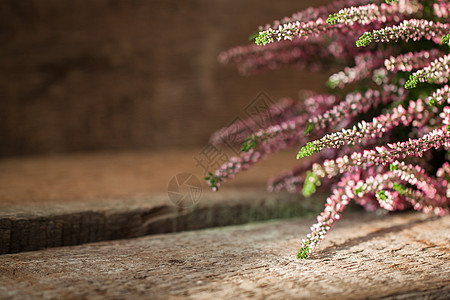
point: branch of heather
(385, 166)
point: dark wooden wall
(88, 75)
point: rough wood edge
(36, 228)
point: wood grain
(399, 256)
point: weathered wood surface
(37, 227)
(75, 199)
(102, 176)
(399, 256)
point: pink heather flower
(380, 185)
(441, 8)
(306, 30)
(335, 205)
(292, 129)
(313, 13)
(366, 63)
(443, 173)
(430, 194)
(439, 96)
(277, 137)
(289, 133)
(270, 140)
(237, 132)
(364, 131)
(366, 178)
(355, 103)
(443, 176)
(434, 192)
(346, 18)
(369, 13)
(255, 59)
(389, 193)
(412, 60)
(383, 155)
(290, 181)
(437, 72)
(315, 54)
(289, 31)
(234, 166)
(413, 29)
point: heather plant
(381, 136)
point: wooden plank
(398, 256)
(99, 177)
(34, 227)
(96, 200)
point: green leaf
(393, 167)
(248, 144)
(382, 195)
(303, 253)
(212, 180)
(446, 39)
(309, 128)
(332, 84)
(263, 38)
(357, 191)
(333, 19)
(308, 150)
(364, 39)
(253, 36)
(310, 184)
(399, 188)
(412, 82)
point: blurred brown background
(89, 75)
